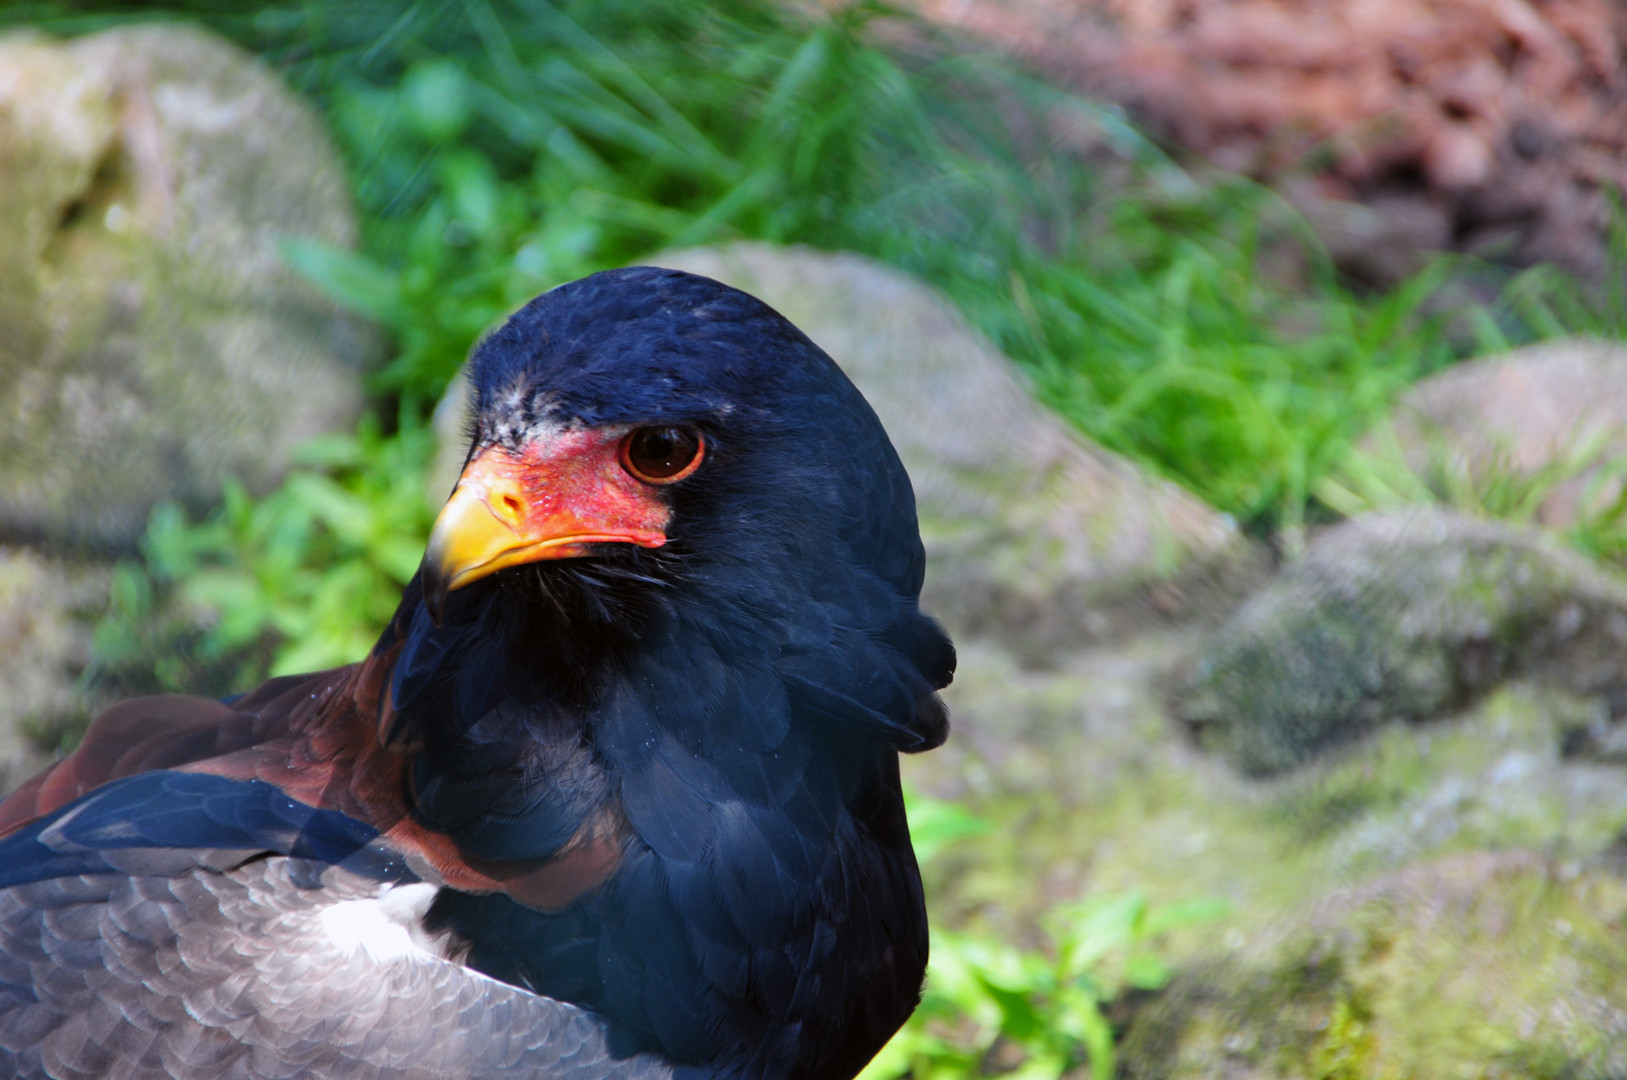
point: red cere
(574, 483)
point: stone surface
(1098, 790)
(1491, 126)
(1032, 533)
(1387, 915)
(1497, 965)
(1108, 791)
(1400, 616)
(46, 606)
(152, 338)
(1553, 415)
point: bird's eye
(662, 455)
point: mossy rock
(1400, 616)
(1096, 792)
(153, 339)
(1374, 905)
(1481, 965)
(1107, 794)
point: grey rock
(1103, 791)
(1379, 924)
(1400, 616)
(1096, 791)
(450, 422)
(46, 606)
(152, 339)
(1600, 735)
(1546, 420)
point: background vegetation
(499, 147)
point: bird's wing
(316, 739)
(248, 973)
(210, 889)
(187, 925)
(176, 731)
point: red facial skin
(323, 738)
(551, 500)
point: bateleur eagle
(615, 795)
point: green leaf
(937, 823)
(1147, 971)
(435, 97)
(352, 279)
(1184, 913)
(470, 184)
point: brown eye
(662, 455)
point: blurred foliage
(499, 147)
(319, 564)
(1028, 1014)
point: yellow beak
(551, 500)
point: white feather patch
(388, 927)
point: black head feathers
(801, 513)
(730, 680)
(792, 435)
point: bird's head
(652, 447)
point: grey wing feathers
(244, 975)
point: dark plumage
(642, 763)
